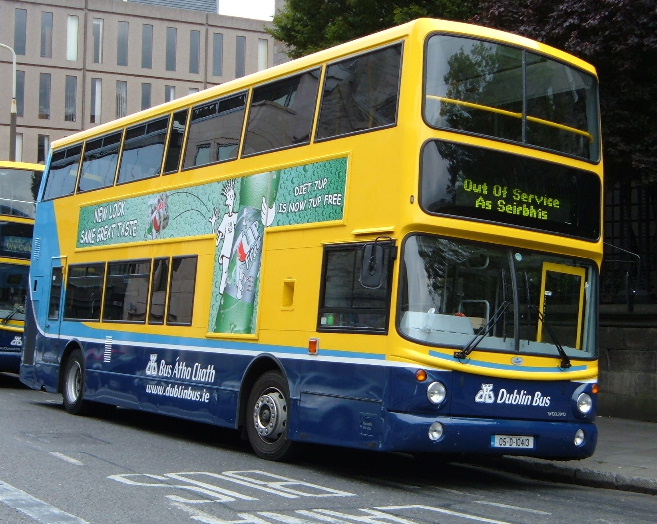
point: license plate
(512, 441)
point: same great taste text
(512, 201)
(118, 229)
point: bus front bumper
(564, 440)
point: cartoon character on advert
(158, 210)
(226, 230)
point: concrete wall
(628, 372)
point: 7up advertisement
(237, 212)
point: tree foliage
(306, 26)
(619, 37)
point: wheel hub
(270, 415)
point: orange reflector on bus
(421, 375)
(595, 389)
(313, 346)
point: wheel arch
(258, 367)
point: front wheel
(267, 417)
(73, 384)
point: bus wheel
(73, 386)
(267, 417)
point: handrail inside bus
(513, 114)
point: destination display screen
(482, 184)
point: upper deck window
(214, 132)
(18, 191)
(143, 150)
(360, 93)
(281, 113)
(505, 92)
(63, 172)
(99, 165)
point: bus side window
(55, 294)
(84, 291)
(143, 150)
(101, 156)
(126, 291)
(181, 290)
(346, 304)
(281, 113)
(360, 93)
(175, 142)
(63, 172)
(217, 122)
(159, 287)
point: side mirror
(371, 272)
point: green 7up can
(257, 197)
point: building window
(98, 40)
(20, 93)
(145, 95)
(46, 34)
(122, 44)
(171, 44)
(193, 90)
(121, 98)
(43, 146)
(240, 56)
(194, 51)
(169, 93)
(147, 46)
(96, 100)
(20, 31)
(263, 54)
(217, 54)
(44, 96)
(71, 98)
(19, 147)
(72, 27)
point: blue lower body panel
(405, 432)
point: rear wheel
(73, 384)
(267, 417)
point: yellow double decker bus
(19, 185)
(393, 244)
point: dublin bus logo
(485, 395)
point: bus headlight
(584, 403)
(436, 431)
(436, 392)
(579, 437)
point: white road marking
(66, 458)
(506, 506)
(35, 508)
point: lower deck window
(134, 291)
(347, 304)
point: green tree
(306, 26)
(619, 37)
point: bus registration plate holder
(512, 441)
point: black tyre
(73, 384)
(267, 417)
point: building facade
(84, 62)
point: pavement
(625, 459)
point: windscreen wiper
(565, 361)
(470, 346)
(17, 309)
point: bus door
(562, 304)
(55, 306)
